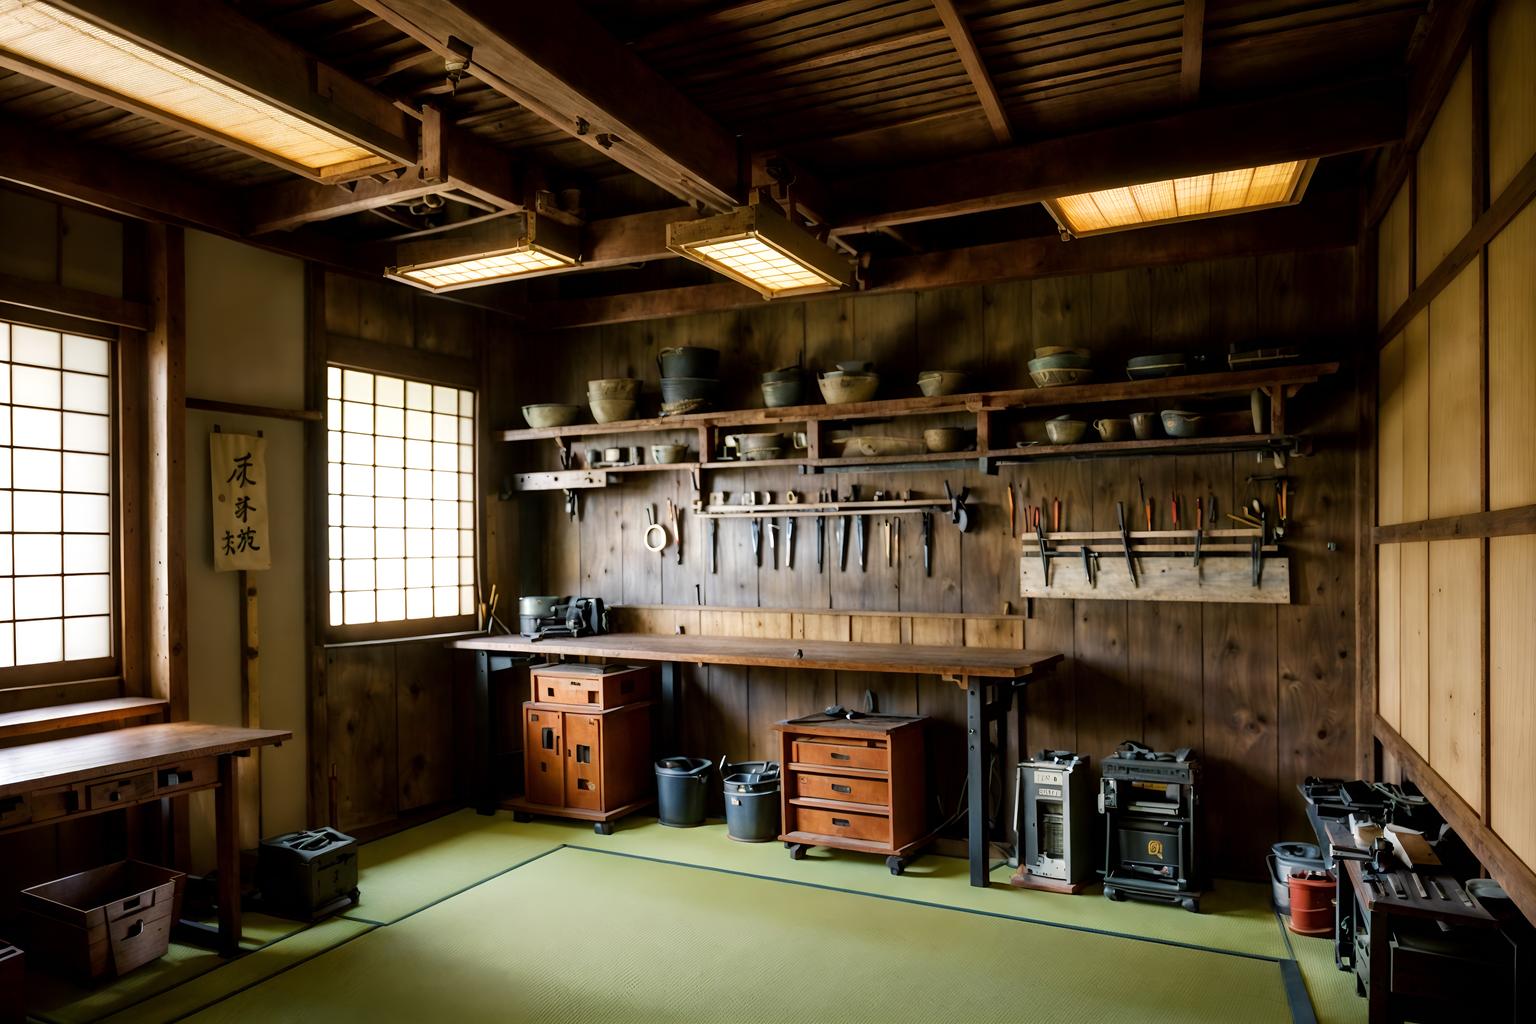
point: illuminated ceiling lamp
(516, 247)
(1175, 199)
(761, 248)
(115, 52)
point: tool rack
(1236, 566)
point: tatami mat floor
(410, 882)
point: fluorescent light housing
(1174, 199)
(515, 247)
(205, 70)
(759, 247)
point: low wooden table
(989, 676)
(52, 781)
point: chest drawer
(15, 810)
(120, 791)
(842, 754)
(843, 824)
(187, 775)
(876, 792)
(55, 803)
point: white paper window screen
(401, 498)
(56, 567)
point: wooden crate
(105, 921)
(598, 687)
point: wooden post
(248, 769)
(226, 806)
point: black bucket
(682, 784)
(752, 806)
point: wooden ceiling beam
(561, 64)
(1193, 52)
(1325, 221)
(1320, 122)
(223, 44)
(981, 80)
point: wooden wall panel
(362, 745)
(1445, 212)
(1456, 665)
(424, 724)
(1512, 691)
(1455, 421)
(1393, 269)
(1416, 418)
(1414, 646)
(1389, 634)
(1389, 432)
(1511, 90)
(1512, 358)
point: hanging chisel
(789, 542)
(714, 544)
(821, 542)
(773, 548)
(1199, 527)
(1045, 558)
(858, 529)
(1125, 539)
(1055, 515)
(897, 528)
(1013, 528)
(757, 541)
(842, 542)
(927, 543)
(677, 536)
(1088, 565)
(1258, 549)
(885, 526)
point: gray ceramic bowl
(1178, 423)
(1065, 431)
(551, 415)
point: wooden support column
(248, 769)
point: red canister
(1311, 903)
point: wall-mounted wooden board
(1512, 358)
(1217, 580)
(1455, 421)
(1416, 418)
(1445, 177)
(1511, 91)
(1456, 665)
(1389, 618)
(1512, 691)
(1389, 432)
(1392, 266)
(1414, 646)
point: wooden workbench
(53, 781)
(989, 677)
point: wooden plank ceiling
(842, 88)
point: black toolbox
(307, 875)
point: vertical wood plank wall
(1456, 654)
(1264, 694)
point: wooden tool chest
(587, 744)
(854, 785)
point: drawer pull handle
(841, 757)
(840, 822)
(839, 788)
(114, 796)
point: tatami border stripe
(1296, 995)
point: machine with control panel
(1053, 812)
(1148, 799)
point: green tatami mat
(409, 870)
(52, 998)
(213, 986)
(580, 936)
(1332, 991)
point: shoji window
(56, 494)
(401, 509)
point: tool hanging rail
(1233, 566)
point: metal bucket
(1286, 859)
(689, 361)
(681, 790)
(752, 806)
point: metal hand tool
(858, 526)
(927, 543)
(1418, 885)
(885, 527)
(1141, 493)
(842, 543)
(714, 544)
(898, 541)
(1088, 565)
(1055, 515)
(821, 536)
(655, 535)
(959, 511)
(1125, 539)
(1013, 527)
(1199, 527)
(1045, 557)
(789, 541)
(677, 537)
(1434, 887)
(773, 547)
(749, 499)
(1173, 504)
(1258, 549)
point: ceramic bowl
(1060, 378)
(783, 373)
(680, 389)
(1046, 351)
(1144, 425)
(1060, 361)
(873, 445)
(856, 366)
(754, 442)
(1113, 430)
(763, 454)
(689, 361)
(611, 410)
(1065, 431)
(666, 454)
(614, 387)
(779, 393)
(551, 415)
(1167, 364)
(1178, 423)
(946, 439)
(939, 382)
(848, 387)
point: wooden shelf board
(1191, 386)
(70, 716)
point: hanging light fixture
(761, 248)
(1174, 199)
(68, 45)
(518, 246)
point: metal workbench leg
(485, 782)
(977, 744)
(671, 706)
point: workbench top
(837, 656)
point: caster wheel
(522, 817)
(1113, 895)
(1190, 904)
(797, 851)
(603, 828)
(896, 864)
(789, 846)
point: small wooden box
(13, 987)
(586, 763)
(597, 687)
(106, 921)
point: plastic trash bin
(682, 784)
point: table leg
(227, 840)
(671, 706)
(1379, 998)
(977, 744)
(485, 801)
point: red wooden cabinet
(585, 764)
